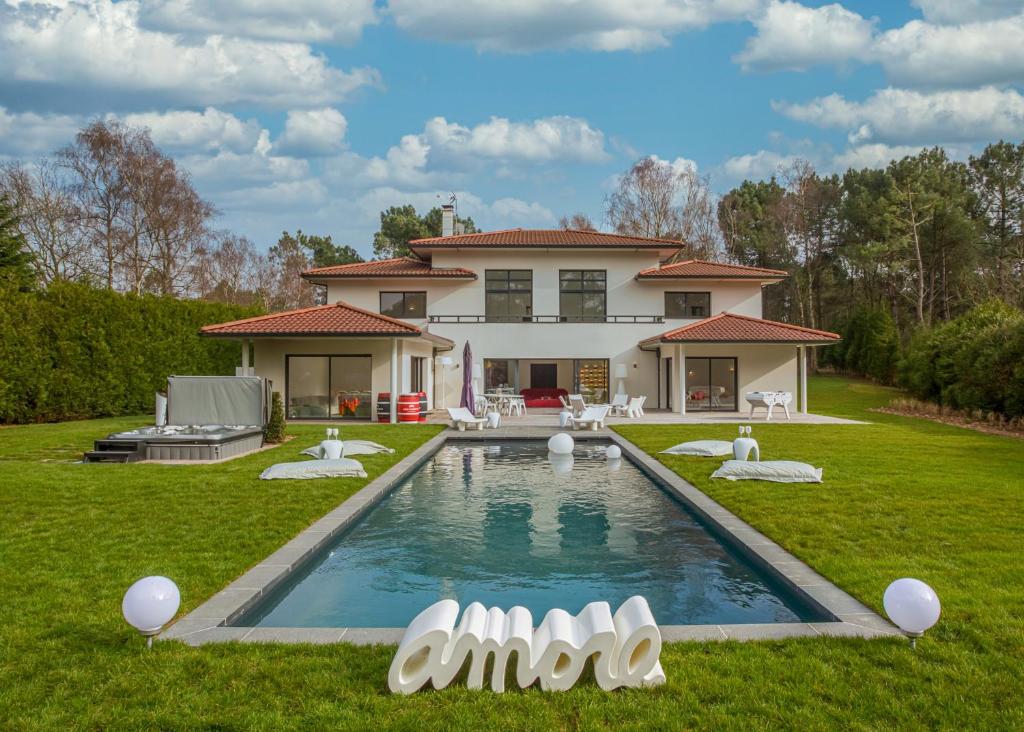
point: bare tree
(287, 261)
(229, 269)
(47, 218)
(664, 201)
(579, 221)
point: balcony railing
(547, 319)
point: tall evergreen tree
(15, 257)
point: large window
(687, 304)
(508, 294)
(711, 384)
(326, 387)
(404, 304)
(581, 294)
(499, 373)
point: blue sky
(315, 115)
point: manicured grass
(901, 497)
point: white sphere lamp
(149, 605)
(913, 606)
(561, 444)
(614, 452)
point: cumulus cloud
(502, 213)
(762, 164)
(903, 117)
(313, 132)
(209, 130)
(540, 140)
(227, 170)
(29, 133)
(499, 25)
(925, 55)
(793, 37)
(966, 11)
(99, 46)
(875, 155)
(311, 21)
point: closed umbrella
(467, 400)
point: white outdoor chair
(619, 404)
(516, 404)
(461, 417)
(577, 404)
(592, 418)
(640, 407)
(635, 407)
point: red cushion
(543, 398)
(542, 403)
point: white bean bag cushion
(701, 448)
(342, 468)
(778, 471)
(352, 447)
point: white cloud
(925, 55)
(312, 21)
(23, 134)
(284, 196)
(966, 11)
(756, 166)
(793, 37)
(601, 25)
(875, 155)
(228, 170)
(97, 45)
(313, 132)
(209, 130)
(502, 213)
(540, 140)
(902, 117)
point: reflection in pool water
(504, 525)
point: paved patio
(549, 418)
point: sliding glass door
(711, 384)
(328, 387)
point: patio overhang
(733, 328)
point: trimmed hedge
(75, 352)
(974, 362)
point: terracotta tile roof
(700, 269)
(542, 239)
(732, 328)
(398, 267)
(338, 319)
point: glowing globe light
(912, 605)
(150, 604)
(561, 444)
(614, 452)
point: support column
(682, 379)
(428, 379)
(802, 354)
(393, 402)
(246, 345)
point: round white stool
(332, 449)
(493, 420)
(743, 447)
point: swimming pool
(503, 525)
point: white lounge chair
(592, 418)
(461, 417)
(635, 408)
(577, 404)
(619, 404)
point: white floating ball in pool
(912, 605)
(561, 444)
(150, 603)
(614, 452)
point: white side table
(743, 447)
(332, 449)
(563, 419)
(493, 420)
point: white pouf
(561, 444)
(614, 452)
(742, 447)
(493, 420)
(563, 419)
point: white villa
(546, 312)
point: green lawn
(901, 497)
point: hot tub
(194, 442)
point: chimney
(447, 220)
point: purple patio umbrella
(467, 379)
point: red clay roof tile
(700, 269)
(542, 239)
(732, 328)
(398, 267)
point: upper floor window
(582, 294)
(687, 304)
(403, 304)
(508, 294)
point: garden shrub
(870, 346)
(74, 352)
(274, 431)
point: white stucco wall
(760, 367)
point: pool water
(504, 525)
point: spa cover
(232, 400)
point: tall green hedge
(975, 361)
(870, 346)
(73, 352)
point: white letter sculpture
(625, 647)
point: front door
(544, 375)
(711, 384)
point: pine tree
(15, 258)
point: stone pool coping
(211, 621)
